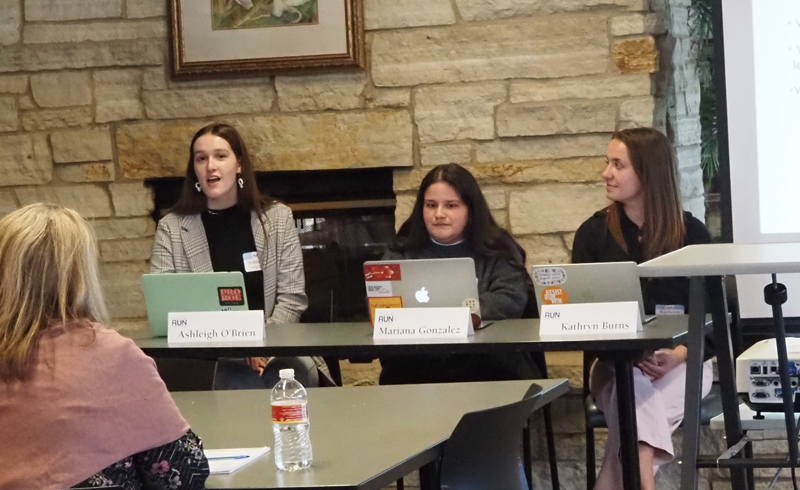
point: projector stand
(775, 296)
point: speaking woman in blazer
(222, 223)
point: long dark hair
(654, 163)
(482, 232)
(247, 197)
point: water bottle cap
(286, 373)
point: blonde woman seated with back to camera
(80, 405)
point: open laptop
(199, 291)
(424, 283)
(603, 282)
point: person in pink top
(80, 405)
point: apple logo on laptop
(422, 296)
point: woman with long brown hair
(223, 223)
(644, 220)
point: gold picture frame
(219, 38)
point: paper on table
(223, 461)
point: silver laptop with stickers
(603, 282)
(424, 283)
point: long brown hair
(654, 163)
(49, 275)
(247, 197)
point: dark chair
(484, 450)
(710, 407)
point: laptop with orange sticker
(602, 282)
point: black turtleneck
(230, 236)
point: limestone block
(545, 148)
(60, 10)
(10, 22)
(136, 9)
(9, 114)
(591, 87)
(136, 249)
(569, 240)
(571, 474)
(93, 31)
(204, 102)
(536, 119)
(688, 156)
(389, 14)
(86, 172)
(7, 203)
(131, 52)
(553, 208)
(402, 211)
(638, 112)
(460, 153)
(632, 24)
(636, 55)
(26, 102)
(131, 199)
(536, 47)
(387, 97)
(686, 131)
(25, 160)
(540, 171)
(133, 328)
(544, 249)
(154, 78)
(115, 229)
(452, 112)
(338, 91)
(408, 179)
(89, 200)
(56, 118)
(277, 142)
(494, 9)
(692, 182)
(13, 84)
(127, 301)
(81, 145)
(495, 198)
(117, 95)
(62, 89)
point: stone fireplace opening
(343, 218)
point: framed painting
(212, 38)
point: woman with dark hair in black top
(644, 220)
(450, 219)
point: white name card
(215, 326)
(600, 319)
(422, 323)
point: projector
(757, 379)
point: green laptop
(199, 291)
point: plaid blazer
(181, 246)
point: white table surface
(771, 420)
(719, 259)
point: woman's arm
(161, 259)
(290, 297)
(179, 464)
(503, 291)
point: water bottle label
(290, 414)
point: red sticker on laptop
(231, 296)
(382, 272)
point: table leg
(429, 476)
(626, 406)
(694, 383)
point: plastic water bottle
(290, 423)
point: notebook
(423, 283)
(225, 461)
(602, 282)
(200, 291)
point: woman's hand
(662, 361)
(257, 364)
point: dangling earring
(241, 183)
(197, 186)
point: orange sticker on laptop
(388, 302)
(382, 272)
(554, 295)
